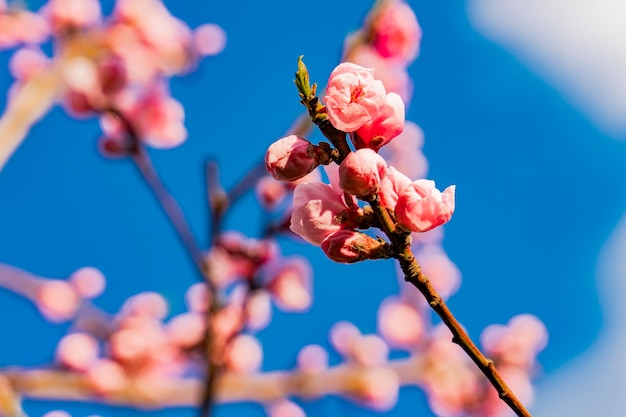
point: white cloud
(577, 46)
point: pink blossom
(77, 351)
(89, 282)
(69, 14)
(197, 297)
(27, 62)
(270, 192)
(57, 413)
(392, 73)
(285, 408)
(343, 335)
(291, 158)
(159, 119)
(400, 323)
(149, 304)
(209, 39)
(168, 39)
(390, 186)
(57, 300)
(361, 171)
(422, 207)
(518, 343)
(353, 97)
(244, 354)
(106, 376)
(348, 246)
(451, 381)
(290, 284)
(369, 350)
(388, 125)
(396, 32)
(186, 330)
(312, 358)
(128, 345)
(318, 212)
(258, 310)
(378, 388)
(22, 26)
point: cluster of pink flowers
(116, 66)
(143, 346)
(328, 215)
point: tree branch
(414, 275)
(231, 387)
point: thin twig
(413, 274)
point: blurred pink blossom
(57, 300)
(89, 282)
(21, 26)
(77, 351)
(285, 408)
(312, 358)
(396, 32)
(209, 39)
(378, 388)
(65, 15)
(186, 330)
(106, 376)
(28, 61)
(400, 323)
(289, 283)
(270, 192)
(244, 354)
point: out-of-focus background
(523, 106)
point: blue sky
(539, 188)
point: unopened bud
(291, 158)
(360, 172)
(348, 246)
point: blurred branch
(345, 379)
(30, 101)
(10, 404)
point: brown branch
(413, 274)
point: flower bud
(353, 97)
(388, 125)
(360, 172)
(318, 212)
(390, 186)
(291, 158)
(348, 246)
(422, 207)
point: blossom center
(356, 93)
